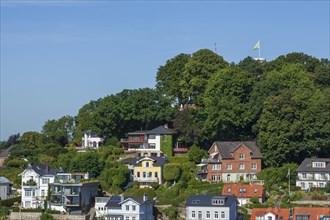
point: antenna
(215, 47)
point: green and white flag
(257, 46)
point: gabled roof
(43, 170)
(138, 160)
(284, 213)
(307, 165)
(251, 190)
(226, 148)
(206, 200)
(312, 212)
(4, 180)
(117, 201)
(161, 130)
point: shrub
(10, 202)
(254, 200)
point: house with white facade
(124, 208)
(67, 190)
(203, 207)
(91, 140)
(313, 172)
(5, 188)
(270, 214)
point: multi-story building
(311, 213)
(91, 140)
(203, 207)
(233, 161)
(152, 142)
(244, 192)
(124, 208)
(270, 214)
(5, 188)
(66, 189)
(146, 170)
(313, 172)
(73, 191)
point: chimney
(145, 197)
(121, 198)
(166, 125)
(47, 168)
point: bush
(254, 200)
(10, 202)
(4, 211)
(46, 216)
(171, 212)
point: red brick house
(244, 192)
(233, 161)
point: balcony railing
(30, 183)
(210, 160)
(146, 179)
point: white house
(35, 180)
(313, 172)
(124, 208)
(91, 140)
(5, 188)
(203, 207)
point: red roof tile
(238, 190)
(284, 213)
(313, 212)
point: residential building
(73, 191)
(202, 207)
(67, 190)
(270, 214)
(233, 161)
(5, 188)
(146, 170)
(150, 142)
(311, 213)
(91, 140)
(244, 192)
(124, 208)
(313, 172)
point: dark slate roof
(206, 200)
(226, 148)
(307, 165)
(161, 130)
(43, 170)
(115, 201)
(138, 132)
(137, 160)
(4, 180)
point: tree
(32, 140)
(171, 172)
(198, 70)
(227, 107)
(169, 76)
(86, 162)
(195, 154)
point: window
(229, 190)
(229, 167)
(199, 215)
(241, 156)
(127, 207)
(254, 166)
(28, 193)
(156, 174)
(150, 174)
(302, 217)
(193, 214)
(45, 180)
(43, 193)
(319, 164)
(223, 215)
(269, 218)
(208, 214)
(228, 177)
(152, 136)
(146, 164)
(255, 190)
(138, 174)
(216, 214)
(215, 178)
(304, 175)
(133, 218)
(152, 146)
(127, 218)
(144, 174)
(215, 166)
(218, 202)
(241, 166)
(133, 207)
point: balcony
(146, 179)
(30, 183)
(200, 171)
(181, 150)
(210, 160)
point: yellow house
(146, 170)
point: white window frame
(241, 166)
(241, 156)
(229, 166)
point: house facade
(150, 142)
(91, 140)
(5, 188)
(313, 173)
(244, 192)
(124, 208)
(66, 189)
(204, 207)
(233, 161)
(311, 213)
(270, 214)
(146, 170)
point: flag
(257, 46)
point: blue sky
(56, 56)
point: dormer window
(229, 190)
(241, 156)
(218, 201)
(255, 190)
(147, 164)
(319, 164)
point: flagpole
(259, 48)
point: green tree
(198, 70)
(195, 154)
(171, 172)
(86, 162)
(169, 76)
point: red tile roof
(238, 190)
(284, 213)
(313, 212)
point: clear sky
(56, 56)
